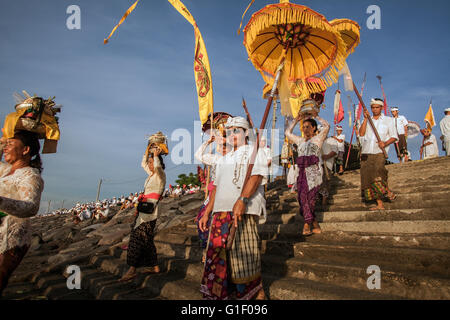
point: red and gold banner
(202, 69)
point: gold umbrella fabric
(311, 45)
(350, 33)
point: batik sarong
(308, 184)
(374, 177)
(141, 248)
(237, 273)
(203, 235)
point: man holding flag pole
(374, 176)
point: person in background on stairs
(329, 153)
(292, 177)
(308, 161)
(21, 187)
(340, 139)
(236, 273)
(429, 148)
(141, 248)
(374, 176)
(445, 130)
(401, 126)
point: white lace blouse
(20, 197)
(312, 147)
(155, 183)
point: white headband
(394, 109)
(376, 102)
(238, 122)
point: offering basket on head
(36, 115)
(158, 140)
(309, 107)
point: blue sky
(143, 81)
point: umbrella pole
(232, 234)
(370, 119)
(210, 151)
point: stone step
(431, 262)
(286, 288)
(354, 190)
(407, 181)
(184, 251)
(22, 291)
(397, 204)
(438, 241)
(431, 174)
(440, 213)
(355, 204)
(399, 284)
(397, 227)
(355, 196)
(172, 287)
(428, 173)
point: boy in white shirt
(429, 148)
(400, 124)
(340, 138)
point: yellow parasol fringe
(130, 9)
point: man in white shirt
(401, 126)
(374, 176)
(445, 129)
(263, 146)
(340, 138)
(292, 177)
(234, 203)
(429, 148)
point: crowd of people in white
(101, 209)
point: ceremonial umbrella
(349, 31)
(301, 38)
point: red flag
(340, 114)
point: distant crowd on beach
(100, 210)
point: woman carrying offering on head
(141, 248)
(310, 171)
(21, 187)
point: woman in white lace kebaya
(141, 248)
(310, 171)
(21, 186)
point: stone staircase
(410, 243)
